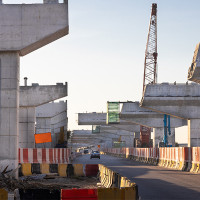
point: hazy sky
(102, 58)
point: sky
(102, 58)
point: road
(155, 183)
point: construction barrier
(62, 170)
(3, 194)
(180, 158)
(116, 186)
(39, 194)
(195, 154)
(69, 170)
(26, 169)
(99, 194)
(81, 194)
(44, 155)
(91, 169)
(78, 170)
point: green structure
(113, 110)
(117, 144)
(95, 129)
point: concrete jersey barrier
(180, 158)
(44, 155)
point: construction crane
(150, 62)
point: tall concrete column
(171, 138)
(137, 135)
(194, 133)
(158, 134)
(9, 101)
(24, 29)
(26, 127)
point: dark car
(95, 154)
(86, 151)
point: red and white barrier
(44, 155)
(182, 158)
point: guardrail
(180, 158)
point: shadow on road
(155, 183)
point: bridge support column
(158, 134)
(9, 101)
(26, 127)
(137, 135)
(171, 138)
(194, 133)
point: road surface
(155, 183)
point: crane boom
(150, 62)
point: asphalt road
(155, 183)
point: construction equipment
(150, 62)
(167, 129)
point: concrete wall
(50, 118)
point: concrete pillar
(20, 36)
(9, 101)
(158, 134)
(44, 126)
(171, 138)
(194, 133)
(137, 135)
(26, 127)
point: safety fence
(180, 158)
(113, 185)
(44, 155)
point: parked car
(95, 154)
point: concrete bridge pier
(9, 101)
(24, 29)
(181, 101)
(157, 136)
(30, 98)
(171, 138)
(137, 135)
(27, 118)
(194, 133)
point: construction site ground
(48, 181)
